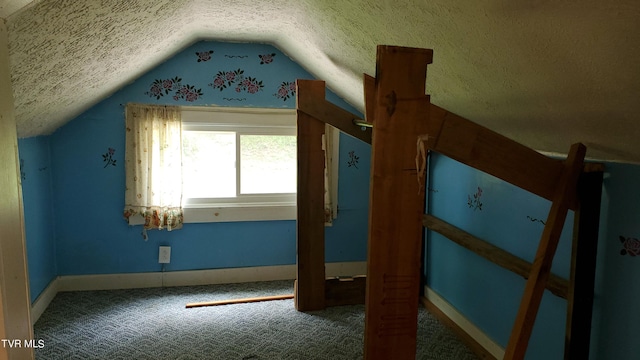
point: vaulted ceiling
(545, 73)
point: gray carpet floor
(153, 323)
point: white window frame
(245, 121)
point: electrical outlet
(164, 256)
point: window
(239, 164)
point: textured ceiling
(545, 73)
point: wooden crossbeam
(565, 191)
(396, 204)
(490, 152)
(369, 83)
(557, 285)
(315, 105)
(309, 287)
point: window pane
(267, 164)
(209, 164)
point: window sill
(239, 212)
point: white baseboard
(473, 331)
(43, 300)
(181, 278)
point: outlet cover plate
(164, 256)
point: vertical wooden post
(310, 277)
(583, 267)
(565, 193)
(396, 204)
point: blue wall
(509, 217)
(617, 311)
(35, 171)
(91, 236)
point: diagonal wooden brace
(565, 193)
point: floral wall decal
(532, 219)
(162, 87)
(188, 93)
(108, 159)
(630, 246)
(204, 55)
(353, 159)
(286, 90)
(224, 79)
(475, 203)
(266, 58)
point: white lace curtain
(153, 166)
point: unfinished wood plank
(345, 291)
(369, 98)
(565, 190)
(583, 266)
(557, 285)
(309, 290)
(317, 107)
(239, 301)
(396, 204)
(490, 152)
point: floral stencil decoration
(353, 159)
(224, 79)
(108, 159)
(286, 90)
(162, 87)
(631, 246)
(250, 85)
(475, 203)
(188, 92)
(204, 55)
(266, 58)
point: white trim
(180, 278)
(194, 117)
(473, 331)
(44, 299)
(217, 213)
(109, 281)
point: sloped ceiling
(545, 73)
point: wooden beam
(557, 285)
(309, 289)
(239, 301)
(583, 267)
(564, 192)
(490, 152)
(345, 291)
(369, 98)
(396, 204)
(317, 107)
